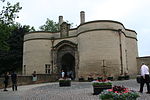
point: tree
(2, 0)
(12, 59)
(50, 26)
(11, 38)
(15, 43)
(7, 18)
(4, 34)
(9, 13)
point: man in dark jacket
(14, 81)
(6, 81)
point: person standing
(62, 74)
(14, 81)
(34, 76)
(6, 81)
(144, 78)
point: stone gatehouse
(97, 48)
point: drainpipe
(52, 53)
(120, 44)
(126, 61)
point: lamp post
(52, 49)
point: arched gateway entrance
(66, 58)
(68, 65)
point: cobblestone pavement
(52, 91)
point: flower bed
(81, 80)
(90, 79)
(119, 93)
(127, 77)
(64, 82)
(110, 78)
(120, 77)
(99, 78)
(99, 86)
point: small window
(47, 68)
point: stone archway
(66, 57)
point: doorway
(68, 65)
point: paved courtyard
(52, 91)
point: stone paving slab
(52, 91)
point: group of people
(13, 79)
(68, 74)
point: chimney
(82, 17)
(68, 26)
(60, 20)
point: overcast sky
(133, 14)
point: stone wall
(96, 46)
(35, 55)
(25, 80)
(132, 54)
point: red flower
(119, 89)
(110, 90)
